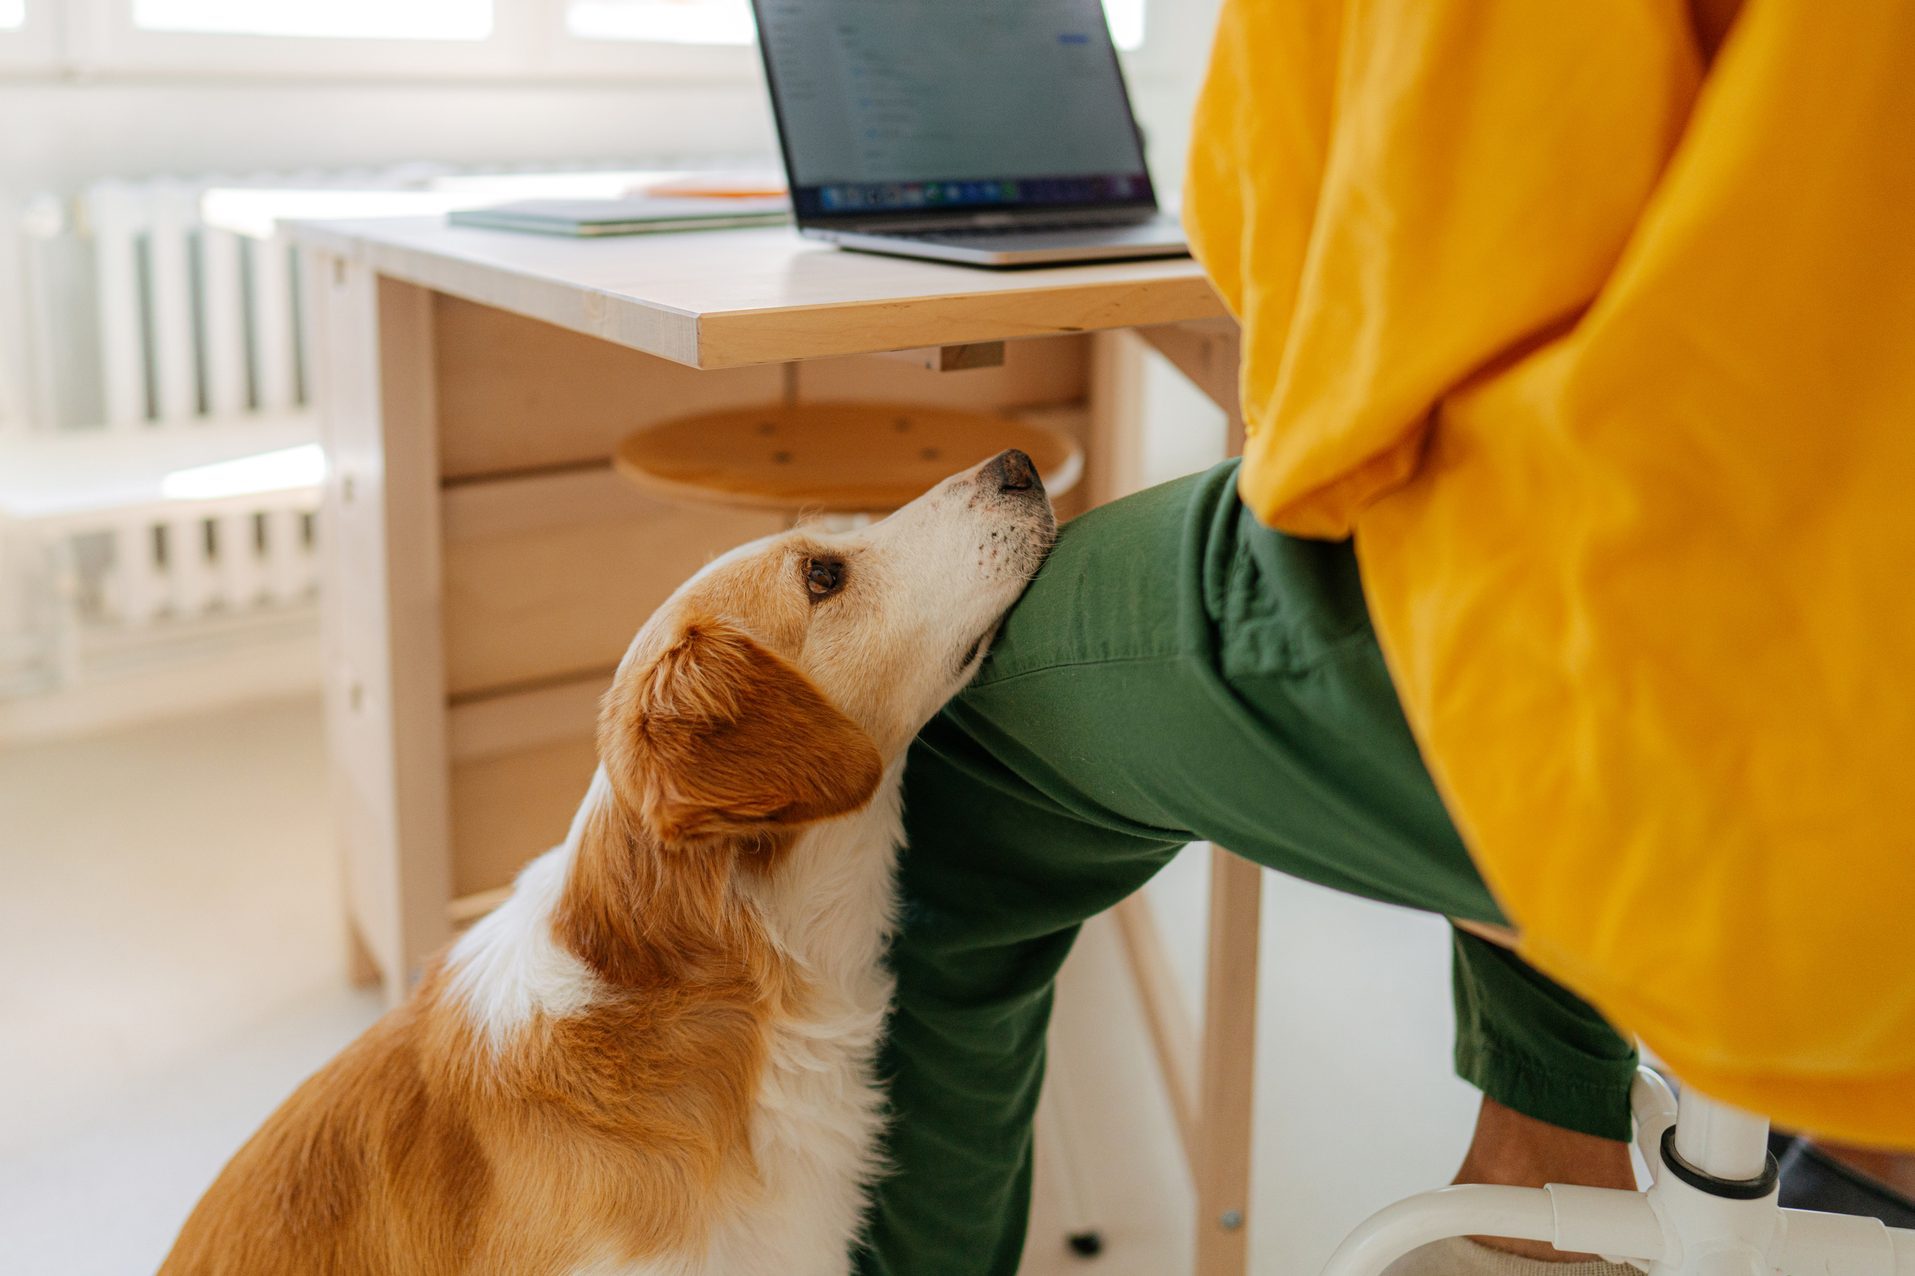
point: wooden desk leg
(1208, 353)
(1212, 1084)
(1227, 1068)
(384, 659)
(362, 968)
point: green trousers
(1176, 673)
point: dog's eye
(823, 577)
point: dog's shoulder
(371, 1145)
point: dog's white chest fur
(820, 1109)
(816, 1123)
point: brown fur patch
(618, 1133)
(719, 736)
(374, 1164)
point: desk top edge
(719, 299)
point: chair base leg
(1712, 1211)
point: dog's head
(774, 687)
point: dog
(657, 1055)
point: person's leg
(997, 879)
(1168, 678)
(1554, 1078)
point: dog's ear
(719, 735)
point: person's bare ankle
(1513, 1150)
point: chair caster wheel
(1087, 1244)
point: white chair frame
(1712, 1209)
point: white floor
(170, 937)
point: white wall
(59, 132)
(57, 135)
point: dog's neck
(828, 900)
(822, 894)
(601, 911)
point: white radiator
(170, 514)
(195, 322)
(174, 516)
(198, 328)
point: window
(26, 36)
(336, 19)
(668, 21)
(657, 41)
(1126, 22)
(729, 21)
(410, 39)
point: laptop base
(1005, 247)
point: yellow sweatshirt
(1600, 339)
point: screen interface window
(919, 104)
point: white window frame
(35, 45)
(529, 42)
(641, 61)
(667, 61)
(104, 41)
(1170, 49)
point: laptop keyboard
(960, 234)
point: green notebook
(633, 216)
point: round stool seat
(847, 458)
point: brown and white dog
(657, 1056)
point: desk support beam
(1207, 352)
(384, 666)
(961, 358)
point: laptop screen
(900, 107)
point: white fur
(815, 1132)
(509, 968)
(819, 1113)
(820, 1109)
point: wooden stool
(832, 458)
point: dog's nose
(1012, 471)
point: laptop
(985, 132)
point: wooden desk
(485, 569)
